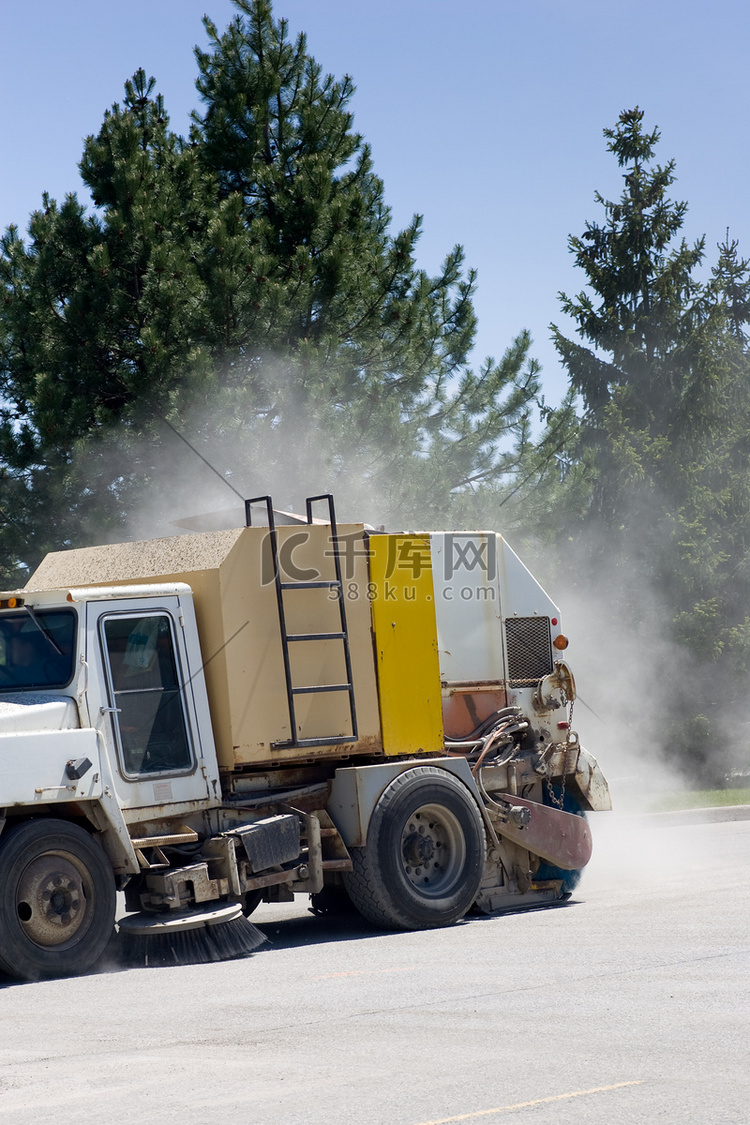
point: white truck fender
(61, 767)
(115, 837)
(355, 791)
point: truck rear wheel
(57, 900)
(425, 853)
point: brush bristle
(222, 941)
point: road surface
(630, 1004)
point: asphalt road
(630, 1004)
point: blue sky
(485, 116)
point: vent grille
(529, 648)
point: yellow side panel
(403, 618)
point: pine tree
(244, 287)
(640, 320)
(663, 375)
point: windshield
(37, 649)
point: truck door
(146, 699)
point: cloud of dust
(262, 433)
(621, 712)
(627, 669)
(639, 690)
(294, 446)
(631, 677)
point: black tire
(253, 899)
(57, 900)
(397, 882)
(332, 902)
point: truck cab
(120, 671)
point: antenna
(214, 470)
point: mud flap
(559, 837)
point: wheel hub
(418, 849)
(432, 850)
(50, 900)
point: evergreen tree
(664, 379)
(244, 287)
(101, 312)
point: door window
(145, 690)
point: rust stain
(465, 709)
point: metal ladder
(296, 638)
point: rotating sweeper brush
(194, 938)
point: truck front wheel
(425, 853)
(57, 900)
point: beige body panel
(236, 609)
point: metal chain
(559, 801)
(551, 793)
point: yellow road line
(364, 972)
(536, 1101)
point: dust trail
(635, 680)
(157, 478)
(622, 711)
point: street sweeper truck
(220, 718)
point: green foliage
(642, 320)
(694, 744)
(664, 376)
(244, 285)
(701, 799)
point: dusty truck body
(220, 718)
